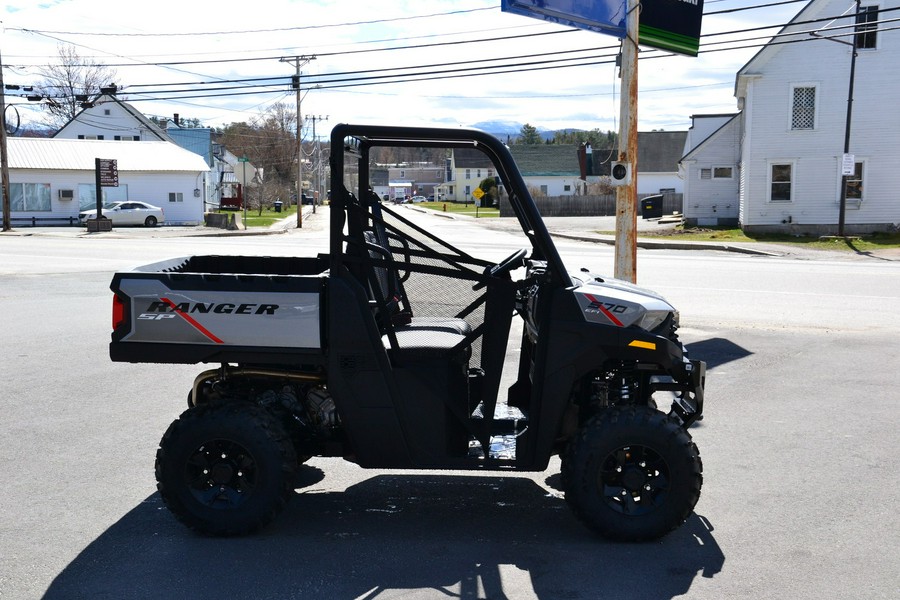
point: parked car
(417, 199)
(127, 213)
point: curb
(666, 245)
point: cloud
(356, 40)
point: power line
(416, 74)
(247, 31)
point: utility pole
(4, 157)
(318, 154)
(853, 52)
(626, 195)
(298, 61)
(843, 203)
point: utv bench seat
(419, 343)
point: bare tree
(69, 83)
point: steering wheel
(511, 262)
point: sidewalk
(289, 223)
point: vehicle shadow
(717, 351)
(419, 536)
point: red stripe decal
(599, 306)
(193, 322)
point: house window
(855, 183)
(478, 173)
(87, 195)
(567, 188)
(722, 173)
(867, 27)
(544, 190)
(176, 197)
(468, 173)
(803, 112)
(29, 197)
(780, 182)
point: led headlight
(653, 319)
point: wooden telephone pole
(626, 195)
(299, 61)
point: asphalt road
(799, 501)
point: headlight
(653, 319)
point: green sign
(672, 25)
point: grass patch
(461, 209)
(268, 217)
(866, 243)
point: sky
(197, 58)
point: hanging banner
(672, 25)
(601, 16)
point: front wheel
(225, 469)
(632, 474)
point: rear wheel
(632, 474)
(150, 221)
(225, 469)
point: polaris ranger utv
(389, 351)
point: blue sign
(601, 16)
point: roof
(546, 159)
(658, 152)
(137, 115)
(79, 155)
(770, 49)
(467, 158)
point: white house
(53, 179)
(709, 169)
(794, 99)
(109, 118)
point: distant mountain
(499, 128)
(503, 129)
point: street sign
(108, 171)
(672, 25)
(601, 16)
(478, 193)
(848, 165)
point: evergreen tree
(529, 135)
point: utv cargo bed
(220, 309)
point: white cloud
(672, 88)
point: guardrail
(34, 220)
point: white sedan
(127, 213)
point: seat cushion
(422, 343)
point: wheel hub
(221, 474)
(634, 480)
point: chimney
(176, 119)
